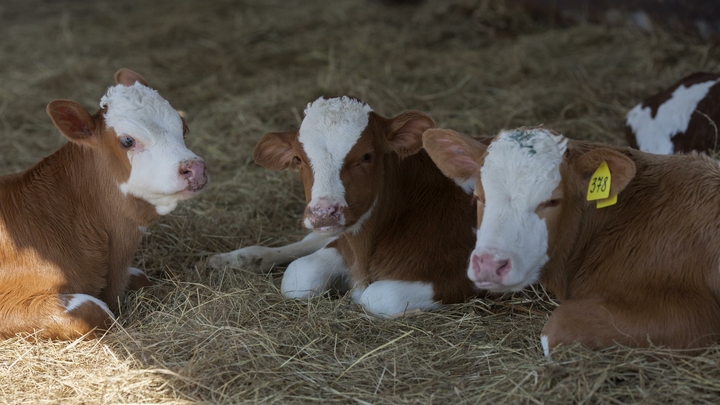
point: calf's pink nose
(324, 214)
(489, 267)
(194, 171)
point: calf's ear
(405, 132)
(458, 156)
(622, 169)
(127, 77)
(274, 150)
(72, 120)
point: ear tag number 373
(599, 187)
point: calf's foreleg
(314, 274)
(261, 259)
(678, 320)
(386, 298)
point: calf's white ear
(622, 169)
(127, 77)
(274, 150)
(405, 132)
(458, 156)
(72, 120)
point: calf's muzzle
(490, 268)
(324, 216)
(195, 173)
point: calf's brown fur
(415, 231)
(67, 229)
(646, 270)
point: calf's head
(530, 190)
(140, 137)
(339, 151)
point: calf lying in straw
(385, 220)
(627, 240)
(70, 225)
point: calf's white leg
(262, 258)
(392, 297)
(313, 274)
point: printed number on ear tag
(599, 187)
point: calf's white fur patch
(391, 297)
(521, 170)
(655, 135)
(79, 299)
(141, 113)
(312, 275)
(134, 271)
(545, 345)
(331, 128)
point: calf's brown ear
(458, 156)
(405, 132)
(72, 120)
(274, 150)
(622, 169)
(127, 77)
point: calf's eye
(551, 203)
(366, 157)
(296, 160)
(127, 142)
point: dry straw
(240, 69)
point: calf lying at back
(384, 218)
(642, 270)
(70, 225)
(682, 118)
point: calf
(682, 118)
(70, 225)
(384, 219)
(643, 270)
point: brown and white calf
(385, 220)
(646, 269)
(69, 225)
(682, 118)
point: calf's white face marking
(655, 135)
(520, 171)
(141, 113)
(330, 129)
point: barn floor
(243, 68)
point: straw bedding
(240, 69)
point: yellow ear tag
(607, 202)
(599, 187)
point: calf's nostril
(193, 170)
(186, 171)
(503, 267)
